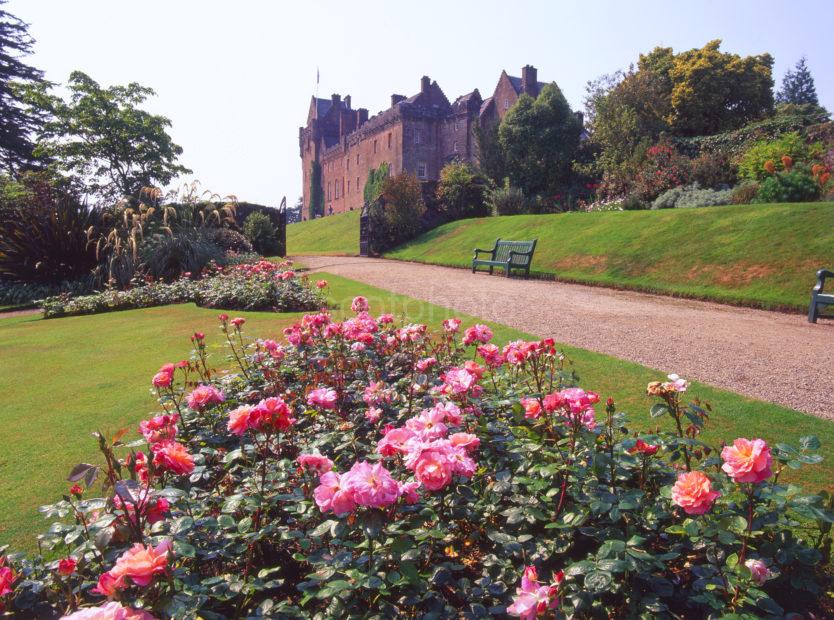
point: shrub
(47, 243)
(690, 196)
(633, 203)
(25, 293)
(507, 201)
(797, 185)
(228, 240)
(365, 469)
(261, 285)
(753, 164)
(396, 216)
(744, 193)
(462, 191)
(713, 170)
(664, 168)
(259, 231)
(167, 257)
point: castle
(418, 134)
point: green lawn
(64, 378)
(334, 235)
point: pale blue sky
(235, 77)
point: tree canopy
(17, 121)
(538, 139)
(104, 137)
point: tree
(17, 120)
(538, 138)
(259, 231)
(316, 192)
(714, 91)
(398, 215)
(490, 157)
(798, 86)
(463, 191)
(102, 136)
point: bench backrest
(503, 249)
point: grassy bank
(67, 377)
(336, 235)
(761, 255)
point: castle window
(348, 187)
(357, 159)
(455, 146)
(456, 127)
(375, 146)
(347, 160)
(357, 184)
(418, 136)
(389, 140)
(506, 104)
(422, 170)
(328, 189)
(336, 191)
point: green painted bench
(507, 254)
(820, 299)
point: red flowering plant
(663, 169)
(369, 468)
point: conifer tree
(17, 121)
(798, 86)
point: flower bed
(260, 285)
(368, 468)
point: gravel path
(766, 355)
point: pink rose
(330, 495)
(747, 461)
(693, 492)
(428, 424)
(162, 379)
(371, 485)
(204, 395)
(394, 441)
(373, 414)
(172, 456)
(450, 326)
(315, 462)
(271, 414)
(532, 598)
(238, 322)
(359, 304)
(433, 469)
(532, 408)
(159, 428)
(141, 563)
(467, 441)
(239, 419)
(759, 570)
(109, 611)
(66, 566)
(323, 397)
(477, 333)
(493, 357)
(385, 319)
(321, 284)
(425, 364)
(7, 577)
(408, 491)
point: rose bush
(365, 468)
(253, 285)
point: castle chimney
(361, 117)
(347, 101)
(529, 80)
(395, 99)
(336, 98)
(580, 116)
(425, 83)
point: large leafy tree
(539, 138)
(798, 86)
(714, 91)
(17, 121)
(104, 137)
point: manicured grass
(337, 235)
(761, 255)
(64, 378)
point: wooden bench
(820, 299)
(506, 254)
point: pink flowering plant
(365, 467)
(252, 285)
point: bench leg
(490, 270)
(813, 313)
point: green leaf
(809, 442)
(244, 525)
(597, 581)
(322, 529)
(658, 410)
(184, 549)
